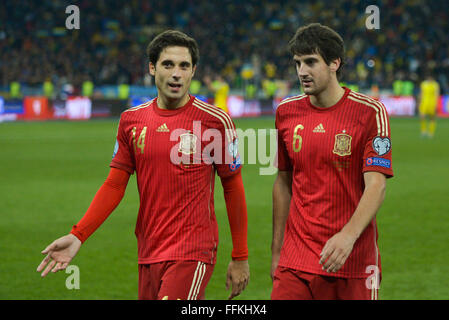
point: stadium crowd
(233, 36)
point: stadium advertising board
(239, 107)
(78, 108)
(399, 106)
(36, 108)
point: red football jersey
(328, 150)
(175, 162)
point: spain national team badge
(187, 145)
(342, 145)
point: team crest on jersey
(381, 145)
(187, 145)
(342, 145)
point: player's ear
(193, 71)
(335, 64)
(152, 69)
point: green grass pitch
(50, 171)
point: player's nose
(303, 71)
(176, 73)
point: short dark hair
(172, 38)
(316, 38)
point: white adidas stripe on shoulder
(220, 115)
(141, 106)
(216, 110)
(294, 98)
(381, 112)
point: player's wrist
(75, 236)
(238, 259)
(352, 232)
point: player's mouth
(176, 87)
(306, 82)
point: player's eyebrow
(168, 62)
(310, 60)
(185, 64)
(307, 60)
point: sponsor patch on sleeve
(381, 145)
(380, 162)
(235, 164)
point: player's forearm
(234, 195)
(105, 201)
(370, 202)
(282, 194)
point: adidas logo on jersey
(319, 128)
(163, 128)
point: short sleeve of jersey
(378, 148)
(231, 162)
(123, 158)
(282, 160)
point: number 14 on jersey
(140, 141)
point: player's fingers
(48, 268)
(339, 263)
(326, 256)
(235, 292)
(43, 263)
(52, 246)
(241, 285)
(244, 283)
(326, 252)
(324, 249)
(57, 267)
(228, 281)
(332, 259)
(64, 265)
(236, 289)
(333, 267)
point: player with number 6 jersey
(328, 151)
(334, 155)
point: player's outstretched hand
(59, 254)
(237, 277)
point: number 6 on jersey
(297, 139)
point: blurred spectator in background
(34, 43)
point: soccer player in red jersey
(175, 143)
(334, 155)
